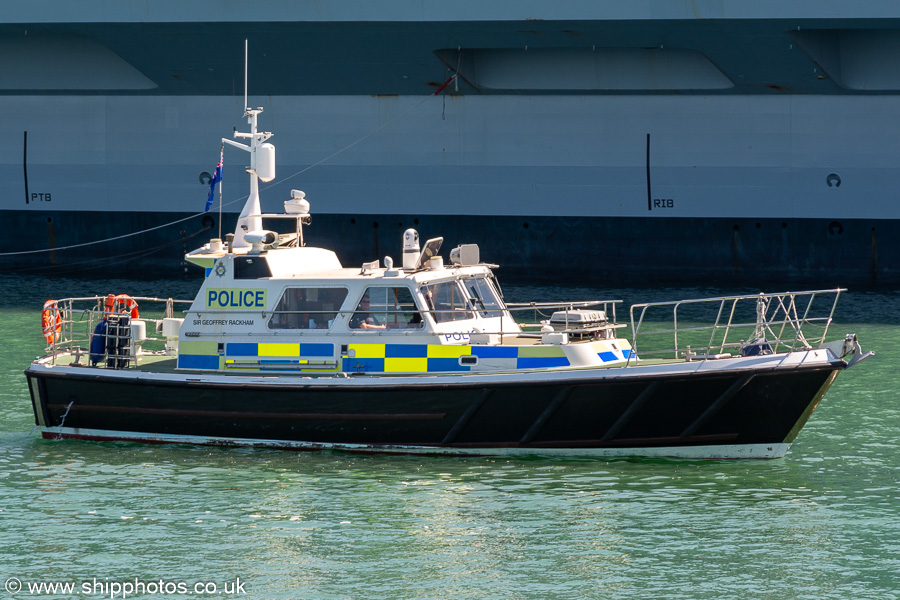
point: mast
(262, 166)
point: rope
(241, 199)
(112, 239)
(97, 263)
(65, 414)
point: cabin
(280, 306)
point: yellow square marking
(279, 349)
(368, 350)
(405, 365)
(436, 351)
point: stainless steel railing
(716, 327)
(70, 327)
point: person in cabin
(362, 319)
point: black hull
(665, 413)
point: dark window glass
(384, 307)
(307, 308)
(447, 302)
(484, 297)
(251, 267)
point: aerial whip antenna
(246, 106)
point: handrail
(773, 311)
(539, 307)
(79, 316)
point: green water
(824, 522)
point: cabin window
(251, 267)
(484, 297)
(383, 307)
(447, 302)
(307, 308)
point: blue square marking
(307, 349)
(495, 352)
(405, 350)
(241, 349)
(541, 362)
(363, 365)
(446, 364)
(198, 361)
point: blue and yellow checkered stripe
(275, 356)
(379, 358)
(205, 355)
(434, 358)
(279, 349)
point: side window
(386, 308)
(307, 308)
(446, 302)
(483, 297)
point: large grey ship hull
(747, 143)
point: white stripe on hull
(704, 452)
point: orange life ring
(51, 322)
(123, 303)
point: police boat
(285, 347)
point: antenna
(246, 106)
(262, 166)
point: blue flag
(217, 177)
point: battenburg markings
(225, 298)
(436, 358)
